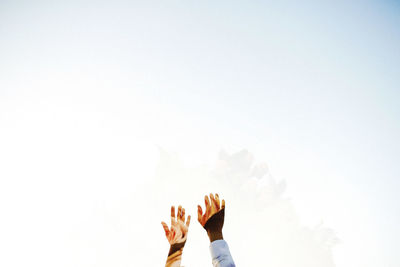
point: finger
(208, 206)
(179, 215)
(183, 214)
(217, 201)
(213, 206)
(166, 229)
(199, 214)
(223, 204)
(172, 214)
(188, 221)
(207, 202)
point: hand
(213, 219)
(177, 234)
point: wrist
(176, 247)
(215, 235)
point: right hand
(213, 218)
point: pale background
(90, 91)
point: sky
(92, 92)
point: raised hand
(179, 229)
(177, 233)
(213, 218)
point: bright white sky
(88, 89)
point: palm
(177, 233)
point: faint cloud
(261, 221)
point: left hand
(177, 234)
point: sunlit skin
(212, 205)
(176, 236)
(177, 233)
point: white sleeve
(221, 257)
